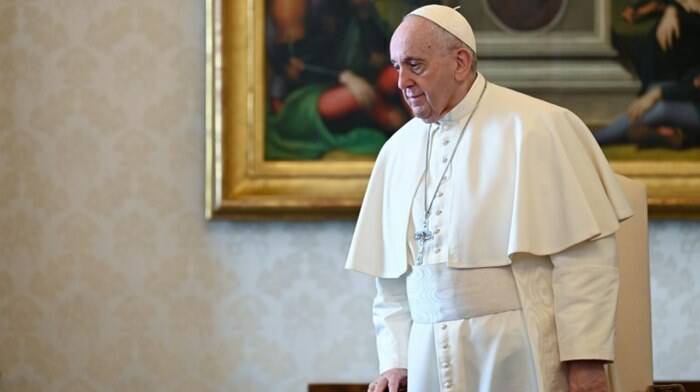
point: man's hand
(587, 376)
(392, 380)
(668, 29)
(642, 104)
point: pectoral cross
(422, 237)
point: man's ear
(464, 60)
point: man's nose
(404, 81)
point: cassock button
(441, 194)
(445, 365)
(444, 326)
(444, 159)
(438, 212)
(437, 231)
(445, 142)
(447, 385)
(437, 250)
(445, 346)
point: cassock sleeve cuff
(585, 285)
(392, 323)
(392, 363)
(583, 355)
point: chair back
(632, 370)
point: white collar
(465, 106)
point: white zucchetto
(449, 19)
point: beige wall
(110, 280)
(675, 289)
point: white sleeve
(585, 283)
(392, 323)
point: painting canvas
(301, 93)
(331, 88)
(658, 41)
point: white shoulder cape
(536, 182)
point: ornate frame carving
(241, 184)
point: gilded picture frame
(242, 184)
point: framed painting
(300, 96)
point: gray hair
(452, 43)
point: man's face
(426, 69)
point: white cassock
(521, 273)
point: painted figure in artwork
(667, 60)
(331, 87)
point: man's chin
(428, 120)
(422, 115)
(425, 117)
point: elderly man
(488, 224)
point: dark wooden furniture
(666, 386)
